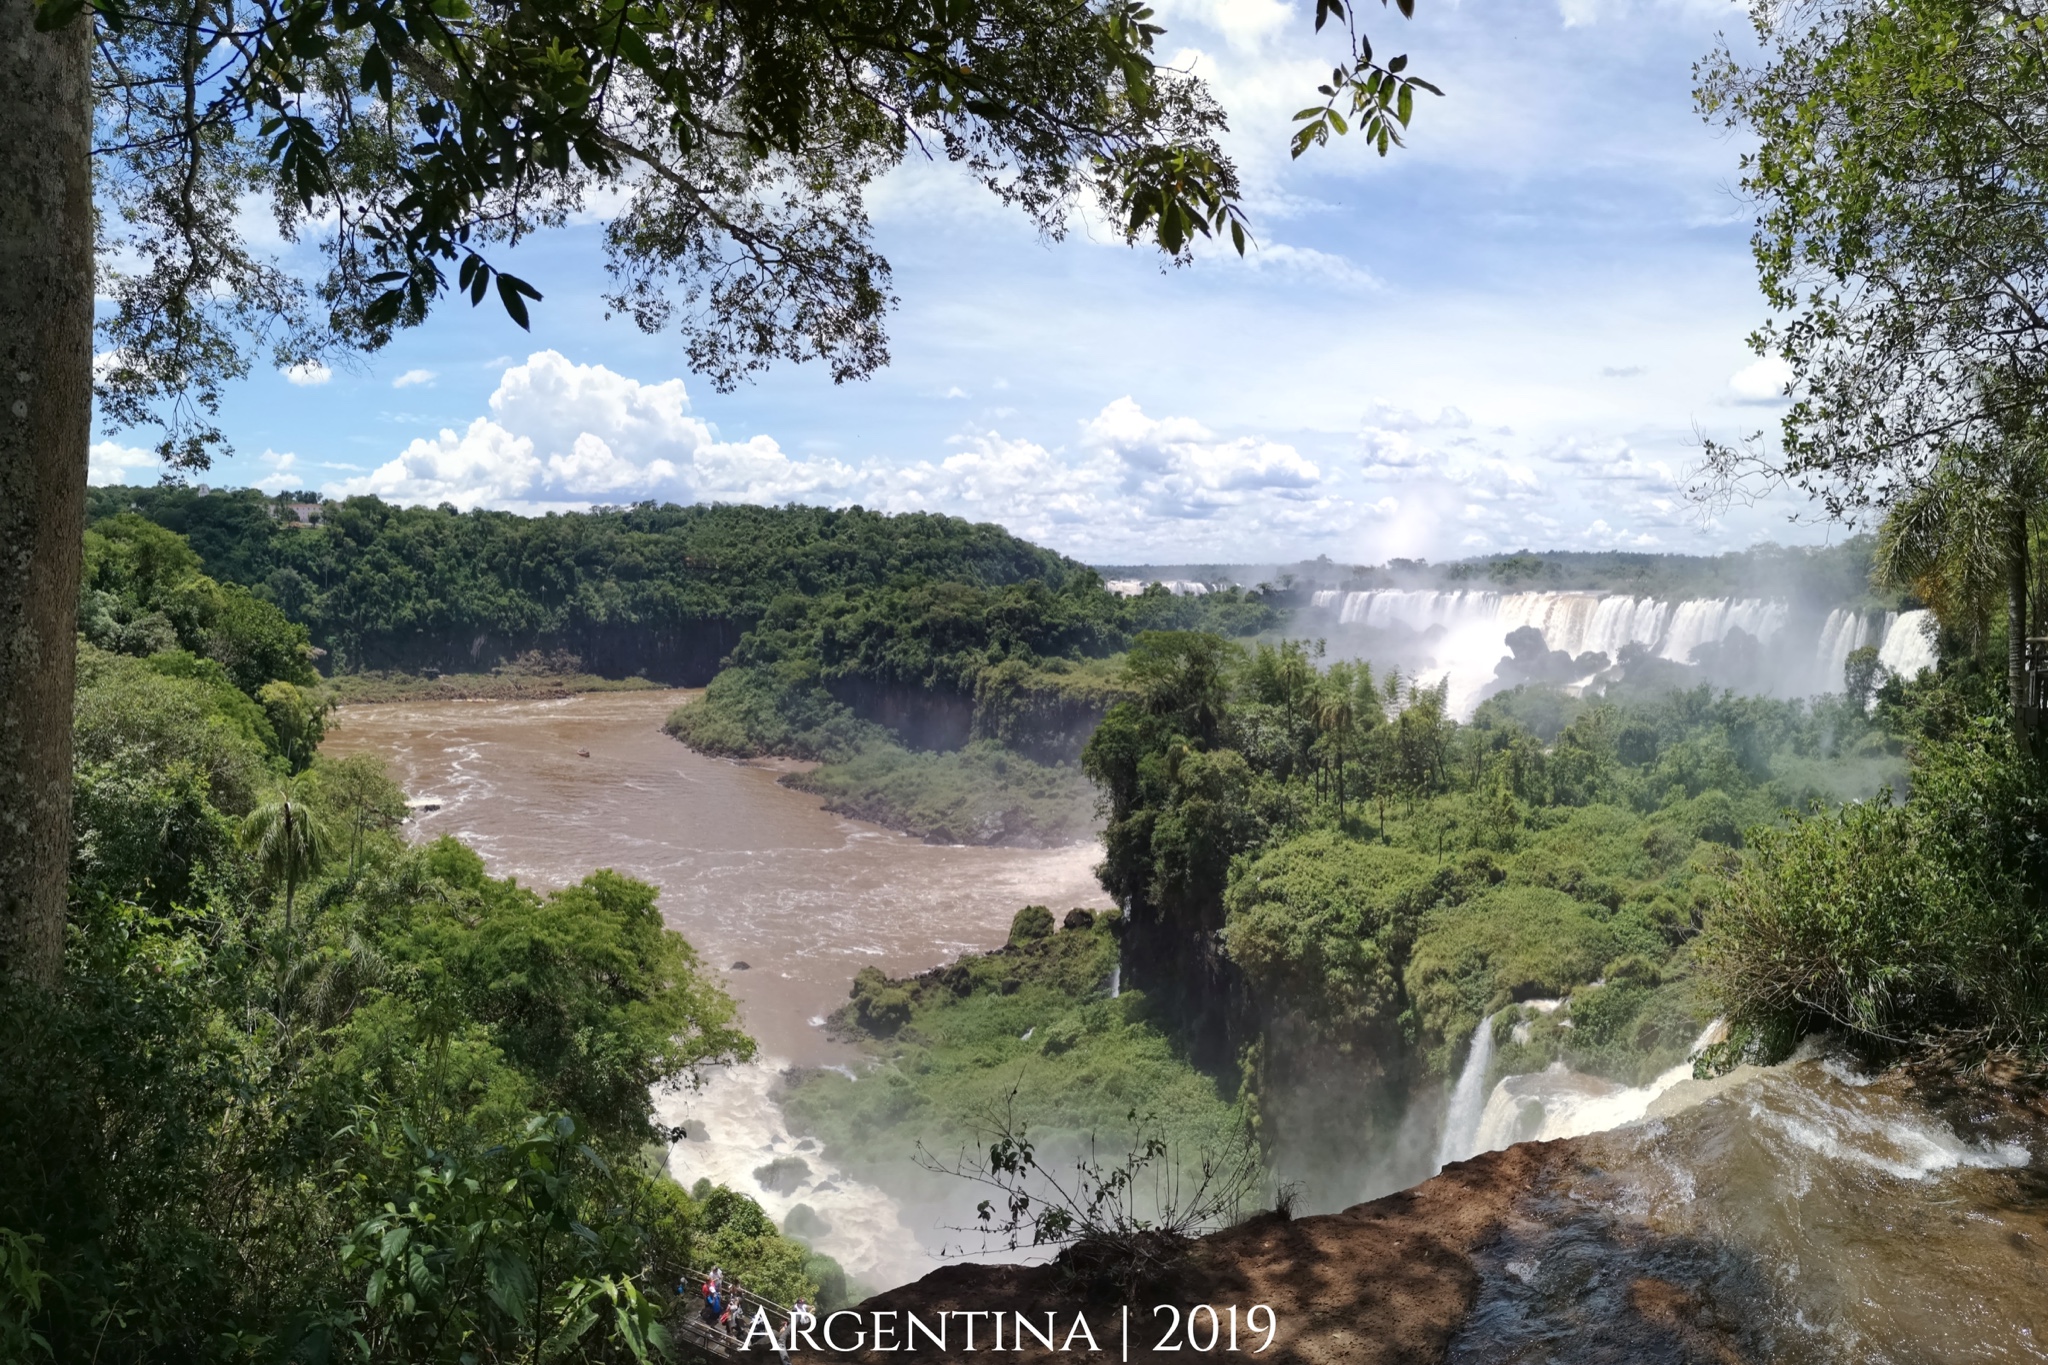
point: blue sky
(1509, 333)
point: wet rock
(784, 1175)
(741, 966)
(805, 1222)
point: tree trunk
(46, 295)
(2017, 573)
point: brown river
(749, 871)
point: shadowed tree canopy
(731, 146)
(1901, 188)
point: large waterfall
(1463, 635)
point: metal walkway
(689, 1327)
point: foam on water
(1843, 1125)
(735, 1128)
(1805, 1214)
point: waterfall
(1559, 1102)
(1468, 1100)
(1908, 644)
(1116, 980)
(1462, 635)
(1844, 633)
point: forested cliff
(663, 591)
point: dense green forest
(945, 673)
(307, 1091)
(664, 591)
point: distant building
(299, 513)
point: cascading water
(1908, 643)
(1803, 1214)
(1462, 635)
(1559, 1102)
(1468, 1100)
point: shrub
(1324, 923)
(1032, 923)
(1513, 942)
(1898, 922)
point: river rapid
(750, 872)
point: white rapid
(1802, 1214)
(734, 1131)
(1468, 1100)
(1559, 1102)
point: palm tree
(1959, 541)
(1337, 718)
(287, 840)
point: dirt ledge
(1383, 1283)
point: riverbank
(980, 794)
(361, 689)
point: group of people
(723, 1306)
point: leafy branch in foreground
(1382, 96)
(1120, 1220)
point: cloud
(109, 462)
(414, 377)
(1761, 381)
(1623, 371)
(1323, 267)
(308, 374)
(566, 435)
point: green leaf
(509, 291)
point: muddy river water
(749, 871)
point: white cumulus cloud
(109, 462)
(561, 434)
(308, 373)
(412, 378)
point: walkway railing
(724, 1342)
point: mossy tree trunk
(46, 320)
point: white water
(735, 1127)
(1560, 1102)
(1179, 587)
(1468, 1100)
(1801, 1214)
(1908, 643)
